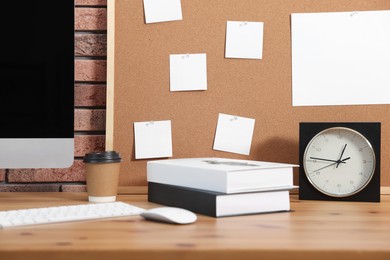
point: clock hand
(343, 160)
(335, 162)
(327, 160)
(341, 156)
(325, 166)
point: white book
(221, 175)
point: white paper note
(153, 139)
(244, 40)
(188, 72)
(234, 134)
(340, 58)
(162, 10)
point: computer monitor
(37, 84)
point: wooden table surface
(313, 230)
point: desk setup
(312, 230)
(190, 81)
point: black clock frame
(370, 130)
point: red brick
(29, 187)
(90, 44)
(89, 95)
(90, 19)
(73, 174)
(90, 70)
(74, 188)
(90, 120)
(91, 2)
(2, 174)
(88, 143)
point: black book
(217, 204)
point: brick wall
(90, 95)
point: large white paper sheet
(341, 58)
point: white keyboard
(35, 216)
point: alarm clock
(339, 161)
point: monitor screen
(37, 84)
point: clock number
(339, 187)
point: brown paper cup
(102, 176)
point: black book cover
(199, 201)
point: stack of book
(220, 187)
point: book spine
(203, 203)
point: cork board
(138, 81)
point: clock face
(339, 161)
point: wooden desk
(314, 230)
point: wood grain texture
(259, 89)
(133, 190)
(313, 230)
(110, 95)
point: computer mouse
(170, 215)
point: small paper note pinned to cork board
(244, 40)
(153, 139)
(157, 11)
(234, 134)
(188, 72)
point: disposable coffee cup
(102, 175)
